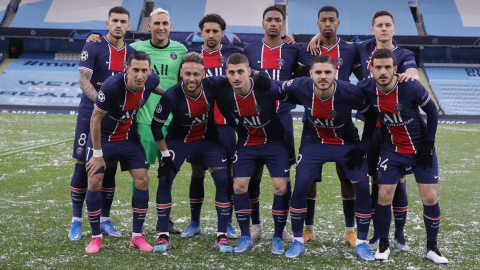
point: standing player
(98, 62)
(190, 103)
(166, 55)
(215, 54)
(407, 142)
(280, 61)
(383, 28)
(329, 135)
(347, 60)
(260, 139)
(113, 137)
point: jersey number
(163, 69)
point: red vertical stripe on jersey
(270, 57)
(217, 115)
(245, 106)
(333, 52)
(117, 57)
(399, 134)
(212, 61)
(131, 103)
(321, 109)
(197, 108)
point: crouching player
(329, 136)
(113, 138)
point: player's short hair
(139, 56)
(381, 13)
(192, 57)
(328, 9)
(118, 10)
(323, 58)
(237, 58)
(274, 8)
(383, 54)
(159, 11)
(213, 18)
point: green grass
(36, 212)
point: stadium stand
(4, 5)
(303, 16)
(451, 17)
(72, 14)
(456, 87)
(241, 16)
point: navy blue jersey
(279, 62)
(403, 128)
(121, 105)
(215, 63)
(256, 112)
(405, 59)
(345, 54)
(102, 60)
(191, 116)
(329, 120)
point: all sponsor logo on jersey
(280, 62)
(173, 56)
(339, 61)
(398, 107)
(333, 114)
(84, 56)
(257, 108)
(101, 96)
(221, 59)
(159, 108)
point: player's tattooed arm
(86, 85)
(159, 90)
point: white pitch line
(32, 147)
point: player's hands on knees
(263, 81)
(355, 158)
(165, 167)
(424, 154)
(288, 39)
(94, 38)
(93, 165)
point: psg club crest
(208, 107)
(101, 96)
(80, 151)
(173, 56)
(280, 62)
(84, 56)
(333, 114)
(339, 61)
(257, 108)
(159, 108)
(379, 175)
(140, 102)
(124, 64)
(398, 107)
(221, 59)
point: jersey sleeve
(360, 101)
(304, 57)
(409, 61)
(105, 96)
(291, 86)
(160, 116)
(88, 57)
(357, 62)
(216, 83)
(152, 81)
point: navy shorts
(312, 156)
(393, 165)
(227, 139)
(211, 153)
(81, 136)
(287, 121)
(130, 153)
(273, 153)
